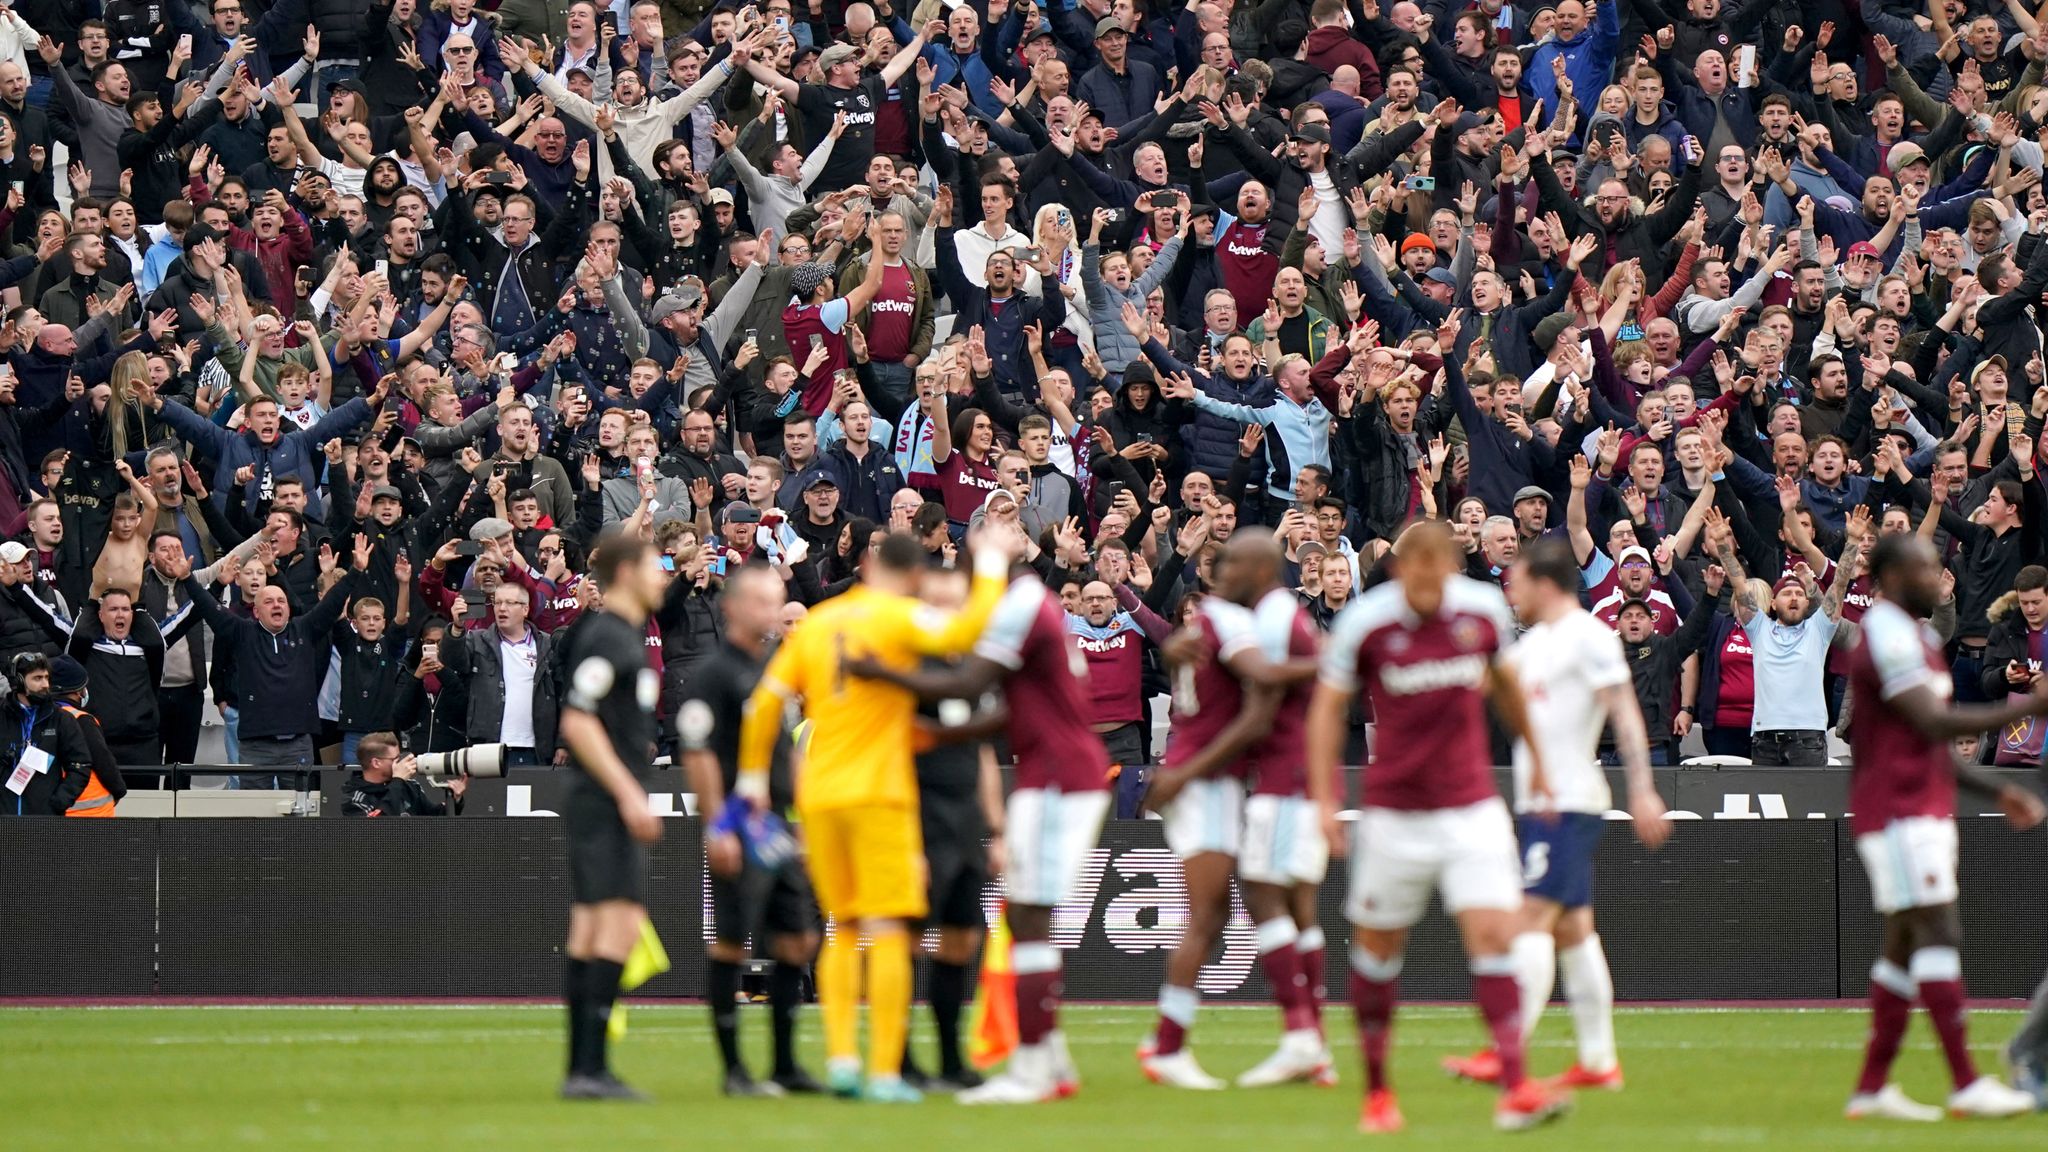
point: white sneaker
(1989, 1098)
(1891, 1103)
(1299, 1057)
(1027, 1080)
(1179, 1070)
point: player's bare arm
(1254, 720)
(1251, 666)
(1632, 740)
(1328, 712)
(1504, 692)
(964, 681)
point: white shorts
(1283, 842)
(1205, 817)
(1399, 857)
(1911, 864)
(1049, 836)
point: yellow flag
(647, 960)
(992, 1031)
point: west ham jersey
(1049, 730)
(1427, 680)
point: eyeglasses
(550, 134)
(457, 50)
(795, 248)
(234, 8)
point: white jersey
(1562, 667)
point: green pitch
(444, 1079)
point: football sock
(948, 994)
(1535, 955)
(722, 988)
(889, 985)
(1891, 1006)
(1309, 946)
(601, 988)
(1590, 988)
(572, 998)
(1373, 988)
(1939, 973)
(1500, 1003)
(839, 993)
(1282, 966)
(1177, 1007)
(1037, 965)
(785, 999)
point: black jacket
(53, 730)
(473, 672)
(125, 673)
(277, 674)
(372, 675)
(393, 797)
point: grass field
(448, 1078)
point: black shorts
(605, 863)
(956, 861)
(759, 903)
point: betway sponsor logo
(1434, 675)
(1115, 643)
(903, 306)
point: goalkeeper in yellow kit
(856, 793)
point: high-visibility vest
(95, 801)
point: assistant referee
(607, 723)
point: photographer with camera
(388, 783)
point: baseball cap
(836, 55)
(812, 477)
(1108, 26)
(1441, 276)
(1863, 248)
(1988, 361)
(1316, 132)
(719, 196)
(1532, 492)
(1044, 29)
(739, 513)
(681, 300)
(1903, 153)
(996, 494)
(490, 528)
(199, 234)
(1417, 240)
(13, 552)
(1786, 581)
(1633, 552)
(385, 492)
(1467, 121)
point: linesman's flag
(993, 1035)
(647, 960)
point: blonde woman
(1052, 232)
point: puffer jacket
(1212, 439)
(1106, 304)
(342, 24)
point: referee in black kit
(747, 902)
(607, 722)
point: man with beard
(639, 121)
(845, 90)
(1789, 631)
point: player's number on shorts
(1535, 863)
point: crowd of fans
(346, 329)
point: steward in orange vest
(105, 788)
